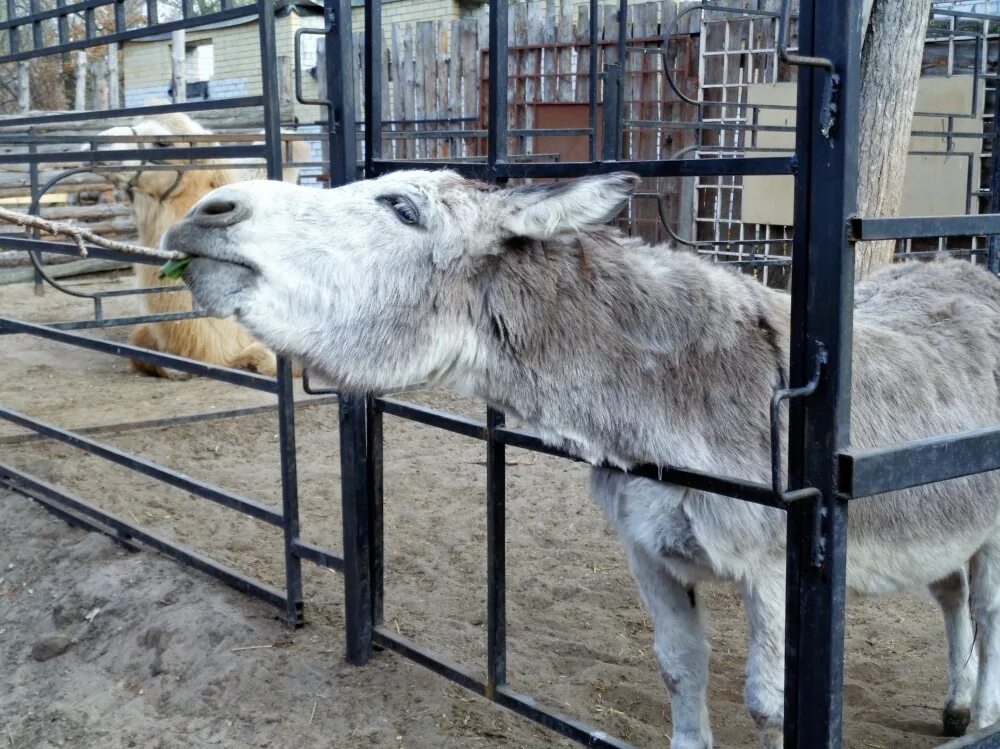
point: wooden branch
(79, 235)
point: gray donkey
(625, 353)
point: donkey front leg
(680, 645)
(764, 603)
(952, 595)
(984, 595)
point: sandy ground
(161, 664)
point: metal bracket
(298, 68)
(309, 389)
(831, 88)
(820, 359)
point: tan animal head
(146, 179)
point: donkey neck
(613, 348)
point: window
(199, 61)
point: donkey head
(373, 282)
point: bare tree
(890, 70)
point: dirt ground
(165, 661)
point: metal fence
(824, 473)
(64, 28)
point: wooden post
(80, 100)
(23, 87)
(177, 63)
(114, 86)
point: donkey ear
(548, 210)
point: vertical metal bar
(496, 557)
(993, 241)
(496, 139)
(376, 556)
(360, 427)
(592, 87)
(152, 13)
(186, 9)
(822, 302)
(286, 398)
(340, 92)
(36, 26)
(272, 107)
(14, 36)
(35, 207)
(289, 493)
(373, 84)
(63, 23)
(356, 492)
(120, 16)
(89, 24)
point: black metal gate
(824, 473)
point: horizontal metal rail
(124, 427)
(867, 472)
(114, 322)
(915, 227)
(146, 467)
(120, 530)
(64, 248)
(129, 112)
(564, 169)
(502, 694)
(431, 417)
(134, 154)
(124, 35)
(748, 491)
(316, 555)
(223, 374)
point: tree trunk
(114, 86)
(80, 102)
(177, 63)
(890, 70)
(23, 87)
(99, 80)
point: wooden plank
(398, 71)
(582, 77)
(426, 78)
(534, 89)
(454, 84)
(408, 98)
(359, 88)
(548, 65)
(386, 93)
(441, 85)
(469, 74)
(564, 59)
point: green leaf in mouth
(174, 268)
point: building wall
(410, 11)
(237, 63)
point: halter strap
(130, 185)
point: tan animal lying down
(159, 199)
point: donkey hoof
(955, 720)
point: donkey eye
(403, 208)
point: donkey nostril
(218, 207)
(219, 212)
